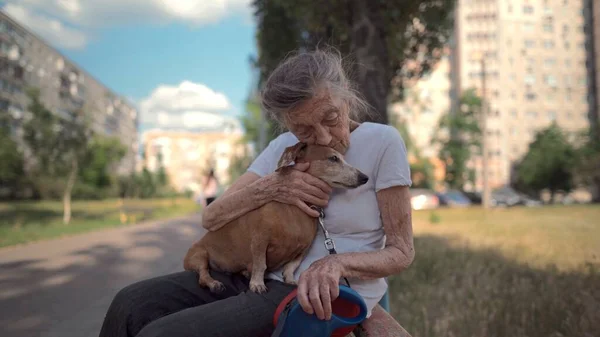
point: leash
(281, 314)
(329, 243)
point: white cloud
(186, 106)
(49, 29)
(68, 23)
(118, 12)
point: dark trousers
(176, 306)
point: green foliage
(461, 140)
(11, 157)
(102, 155)
(421, 169)
(548, 163)
(57, 145)
(434, 217)
(393, 34)
(587, 170)
(251, 122)
(162, 179)
(239, 164)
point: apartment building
(187, 155)
(535, 58)
(426, 101)
(66, 89)
(592, 16)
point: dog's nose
(362, 178)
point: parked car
(474, 197)
(453, 198)
(422, 198)
(507, 196)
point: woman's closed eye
(331, 117)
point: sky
(183, 63)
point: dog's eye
(334, 159)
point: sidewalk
(62, 287)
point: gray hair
(305, 75)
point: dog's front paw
(258, 288)
(216, 287)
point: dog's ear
(291, 154)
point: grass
(22, 222)
(504, 272)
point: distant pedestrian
(210, 187)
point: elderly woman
(310, 95)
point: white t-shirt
(352, 216)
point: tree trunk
(68, 189)
(371, 56)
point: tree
(548, 164)
(390, 41)
(239, 165)
(459, 137)
(101, 157)
(57, 146)
(421, 169)
(162, 179)
(587, 170)
(251, 122)
(11, 157)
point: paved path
(62, 287)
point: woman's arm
(242, 197)
(399, 251)
(250, 192)
(319, 284)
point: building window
(529, 43)
(513, 113)
(530, 96)
(550, 80)
(567, 63)
(552, 115)
(565, 29)
(531, 114)
(567, 45)
(528, 26)
(527, 9)
(548, 28)
(529, 79)
(548, 44)
(549, 62)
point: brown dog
(275, 235)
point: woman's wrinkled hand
(296, 187)
(318, 286)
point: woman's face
(323, 120)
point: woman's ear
(291, 154)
